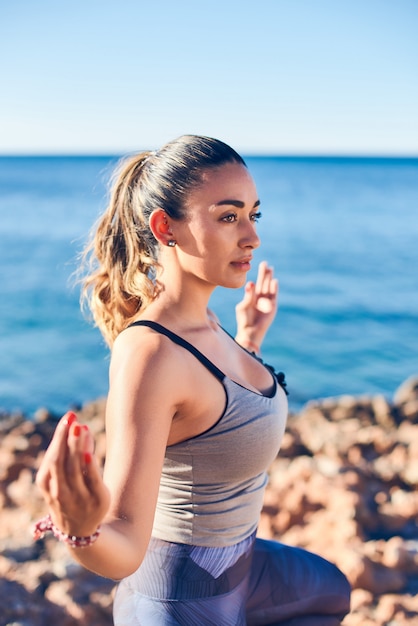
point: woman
(193, 419)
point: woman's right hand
(70, 480)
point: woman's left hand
(70, 480)
(257, 309)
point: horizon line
(244, 153)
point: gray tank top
(212, 485)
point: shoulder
(136, 343)
(147, 387)
(142, 355)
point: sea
(340, 232)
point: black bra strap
(185, 344)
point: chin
(236, 283)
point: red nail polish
(76, 430)
(87, 458)
(71, 418)
(85, 427)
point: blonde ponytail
(121, 256)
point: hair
(122, 254)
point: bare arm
(257, 310)
(141, 403)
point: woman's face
(217, 239)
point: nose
(249, 237)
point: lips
(246, 259)
(244, 264)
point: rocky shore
(344, 485)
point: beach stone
(393, 610)
(382, 411)
(42, 415)
(406, 399)
(407, 391)
(344, 485)
(10, 420)
(410, 473)
(374, 577)
(410, 411)
(401, 554)
(361, 599)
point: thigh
(292, 586)
(184, 585)
(135, 609)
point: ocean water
(341, 233)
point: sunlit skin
(217, 240)
(158, 393)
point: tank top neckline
(219, 374)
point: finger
(267, 301)
(93, 480)
(55, 451)
(62, 475)
(265, 305)
(268, 279)
(74, 460)
(249, 296)
(82, 465)
(274, 287)
(92, 475)
(260, 276)
(88, 444)
(59, 436)
(264, 278)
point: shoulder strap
(185, 344)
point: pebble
(345, 485)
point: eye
(231, 217)
(256, 216)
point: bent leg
(293, 587)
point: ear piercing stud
(171, 243)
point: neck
(183, 300)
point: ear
(159, 223)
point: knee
(341, 592)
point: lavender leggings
(253, 583)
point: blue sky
(267, 76)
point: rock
(344, 485)
(406, 399)
(391, 610)
(42, 415)
(401, 554)
(382, 412)
(407, 391)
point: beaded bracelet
(46, 524)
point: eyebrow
(236, 203)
